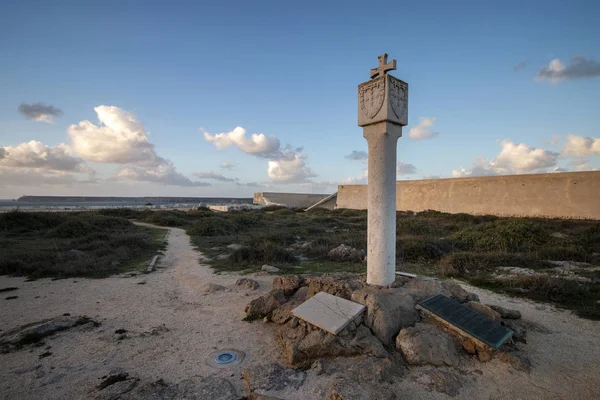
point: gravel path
(172, 327)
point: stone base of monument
(391, 334)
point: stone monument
(382, 112)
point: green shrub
(465, 262)
(273, 208)
(511, 234)
(73, 229)
(121, 212)
(266, 253)
(213, 226)
(418, 250)
(167, 218)
(18, 221)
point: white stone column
(382, 139)
(382, 111)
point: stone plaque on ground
(328, 312)
(474, 324)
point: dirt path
(197, 325)
(565, 355)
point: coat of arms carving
(372, 95)
(398, 98)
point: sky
(207, 98)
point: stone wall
(558, 195)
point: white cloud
(164, 173)
(580, 68)
(37, 155)
(357, 155)
(481, 167)
(227, 165)
(579, 146)
(403, 168)
(213, 175)
(290, 169)
(512, 159)
(119, 139)
(40, 112)
(559, 169)
(423, 130)
(431, 177)
(258, 144)
(522, 158)
(357, 180)
(34, 178)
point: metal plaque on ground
(488, 331)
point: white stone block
(328, 312)
(383, 99)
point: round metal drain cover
(225, 358)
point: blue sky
(186, 71)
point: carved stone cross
(384, 66)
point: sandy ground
(566, 361)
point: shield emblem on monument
(371, 97)
(398, 94)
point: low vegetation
(73, 244)
(432, 243)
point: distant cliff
(101, 199)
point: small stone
(457, 291)
(269, 268)
(346, 253)
(210, 288)
(234, 246)
(473, 297)
(505, 312)
(247, 283)
(484, 310)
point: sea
(11, 205)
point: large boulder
(426, 344)
(263, 306)
(288, 283)
(388, 311)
